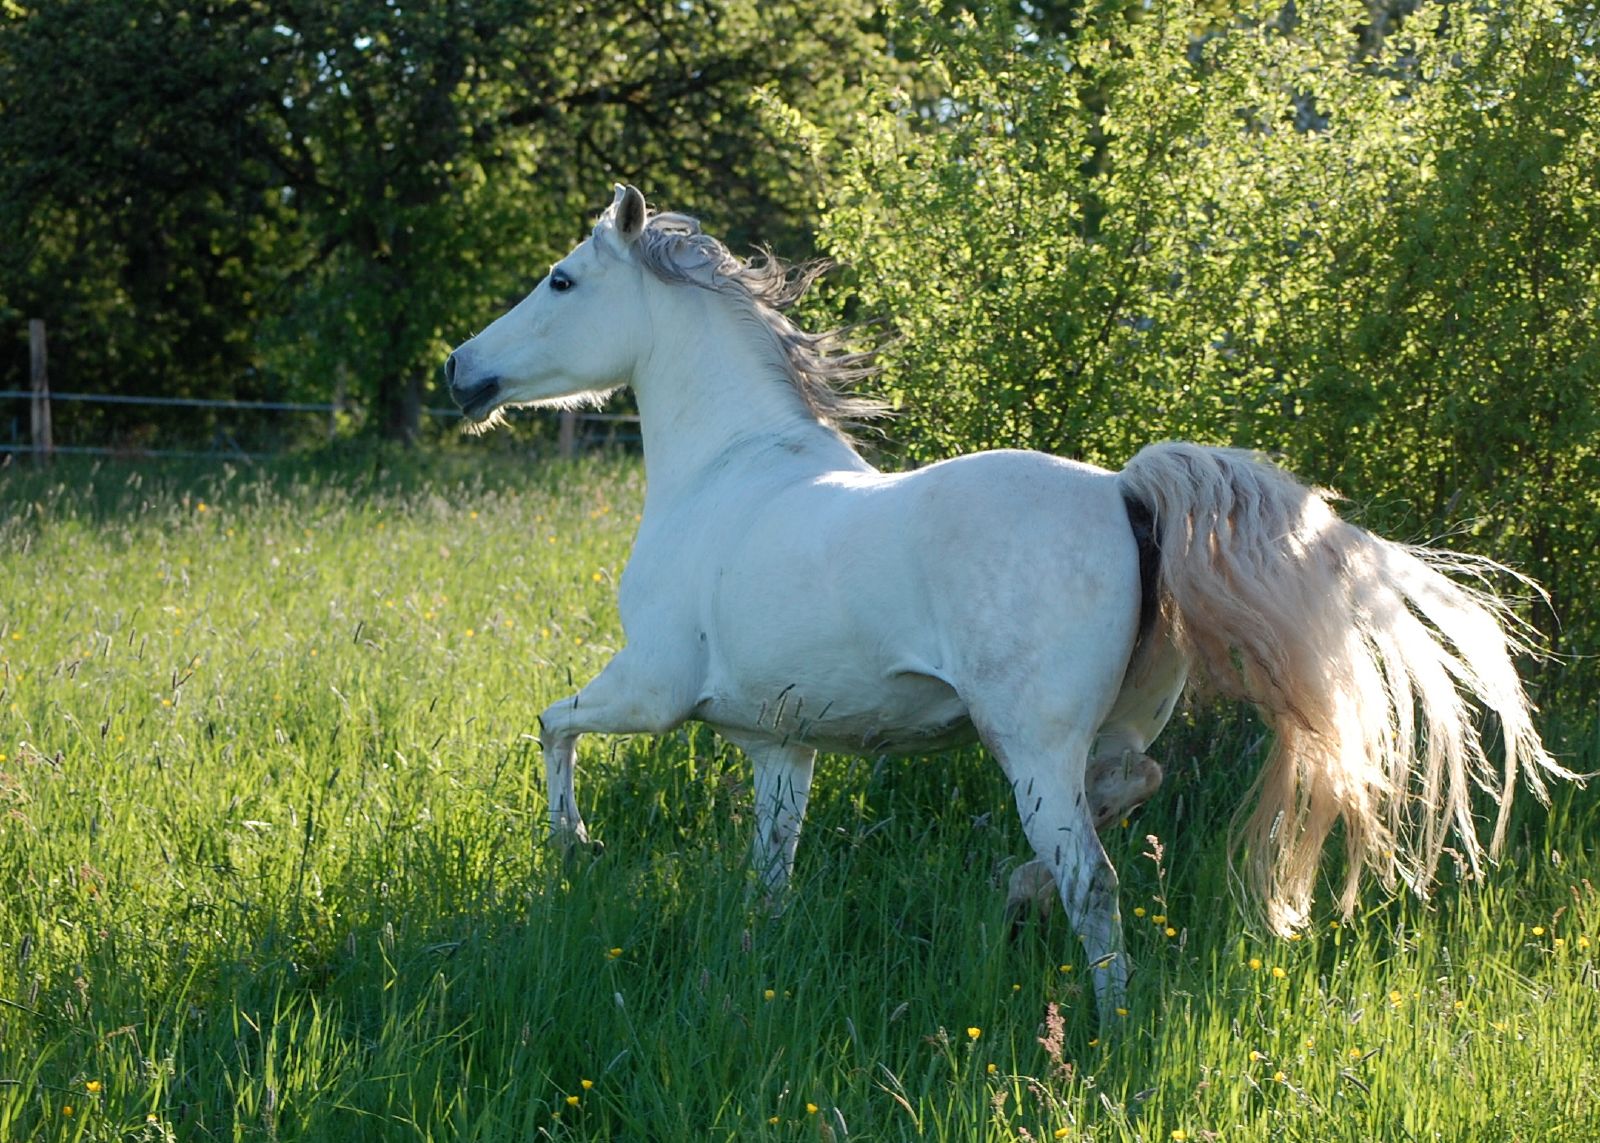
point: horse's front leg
(782, 790)
(633, 694)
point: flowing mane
(674, 249)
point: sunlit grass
(269, 869)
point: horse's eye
(559, 282)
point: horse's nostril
(450, 370)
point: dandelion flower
(1355, 1053)
(1538, 930)
(1256, 1057)
(1278, 972)
(1278, 1077)
(1170, 931)
(93, 1087)
(1255, 964)
(974, 1033)
(1138, 911)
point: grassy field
(270, 868)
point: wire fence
(575, 432)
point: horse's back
(894, 599)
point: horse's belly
(906, 713)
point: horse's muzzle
(476, 399)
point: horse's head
(571, 341)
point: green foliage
(319, 198)
(1380, 260)
(270, 869)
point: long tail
(1361, 654)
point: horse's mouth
(477, 403)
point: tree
(1379, 258)
(314, 195)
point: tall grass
(270, 868)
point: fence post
(43, 445)
(567, 436)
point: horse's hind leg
(1051, 798)
(1120, 775)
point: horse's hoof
(575, 848)
(1031, 892)
(1118, 785)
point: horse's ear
(628, 214)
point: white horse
(795, 599)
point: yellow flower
(1278, 1077)
(811, 1109)
(1538, 930)
(572, 1101)
(974, 1033)
(773, 1120)
(1138, 911)
(1063, 1132)
(200, 507)
(1395, 996)
(613, 954)
(1255, 964)
(586, 1084)
(1277, 972)
(1170, 931)
(1065, 968)
(991, 1069)
(1095, 1043)
(1122, 1011)
(1355, 1053)
(1255, 1056)
(770, 994)
(1179, 1134)
(92, 1087)
(1158, 919)
(66, 1109)
(1583, 942)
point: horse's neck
(712, 397)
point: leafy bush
(1377, 258)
